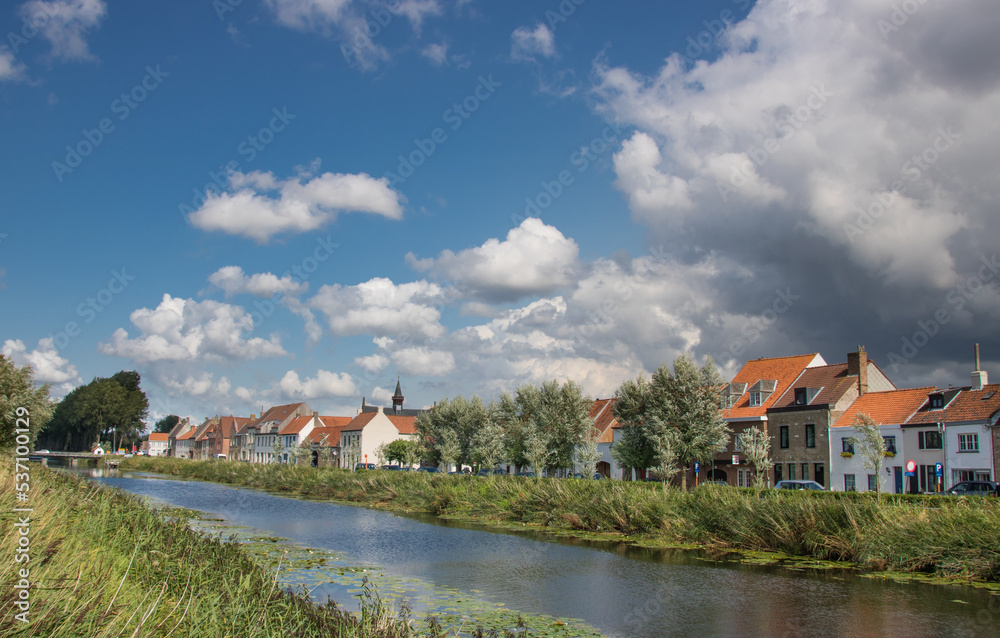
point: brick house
(799, 422)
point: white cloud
(48, 366)
(201, 385)
(10, 68)
(381, 396)
(380, 307)
(64, 23)
(374, 363)
(424, 362)
(187, 330)
(301, 203)
(233, 281)
(828, 153)
(436, 53)
(534, 259)
(526, 43)
(324, 384)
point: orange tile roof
(335, 421)
(893, 407)
(296, 425)
(360, 421)
(184, 437)
(602, 414)
(405, 424)
(784, 370)
(968, 405)
(332, 435)
(158, 436)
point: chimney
(253, 416)
(857, 365)
(979, 377)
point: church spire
(397, 399)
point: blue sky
(725, 177)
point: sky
(255, 202)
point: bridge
(72, 457)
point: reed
(951, 537)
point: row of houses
(808, 408)
(295, 433)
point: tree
(633, 450)
(553, 414)
(756, 446)
(167, 423)
(871, 446)
(414, 453)
(113, 408)
(665, 446)
(302, 453)
(449, 450)
(453, 422)
(23, 405)
(536, 451)
(278, 449)
(396, 451)
(587, 454)
(488, 445)
(380, 452)
(684, 400)
(351, 454)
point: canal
(621, 591)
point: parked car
(392, 468)
(526, 474)
(973, 488)
(364, 466)
(430, 469)
(494, 471)
(798, 485)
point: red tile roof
(335, 421)
(784, 370)
(601, 412)
(968, 405)
(894, 407)
(159, 436)
(360, 421)
(296, 425)
(405, 424)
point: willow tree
(18, 390)
(675, 413)
(756, 446)
(868, 442)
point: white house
(368, 430)
(159, 444)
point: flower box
(846, 455)
(889, 453)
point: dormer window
(760, 391)
(755, 399)
(937, 401)
(800, 396)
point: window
(784, 437)
(777, 473)
(929, 440)
(801, 396)
(819, 475)
(872, 483)
(744, 478)
(810, 435)
(791, 471)
(754, 399)
(849, 483)
(890, 443)
(937, 401)
(805, 471)
(968, 442)
(847, 445)
(736, 444)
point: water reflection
(622, 591)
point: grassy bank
(951, 537)
(103, 564)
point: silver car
(798, 485)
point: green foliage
(395, 451)
(488, 444)
(552, 416)
(112, 409)
(868, 442)
(756, 446)
(683, 400)
(18, 390)
(167, 423)
(587, 454)
(452, 423)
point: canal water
(620, 591)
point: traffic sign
(697, 467)
(911, 466)
(939, 469)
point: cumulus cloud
(188, 330)
(380, 307)
(826, 149)
(436, 53)
(324, 384)
(374, 363)
(527, 43)
(259, 205)
(233, 281)
(534, 259)
(424, 361)
(65, 23)
(48, 365)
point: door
(897, 475)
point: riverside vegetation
(949, 537)
(104, 564)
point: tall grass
(104, 565)
(954, 537)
